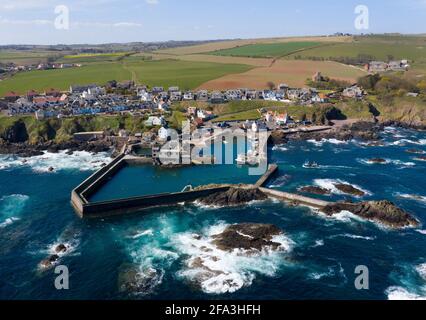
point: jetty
(80, 196)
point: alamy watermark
(62, 20)
(362, 20)
(218, 146)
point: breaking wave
(11, 208)
(330, 184)
(217, 271)
(51, 162)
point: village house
(204, 115)
(173, 89)
(377, 66)
(176, 96)
(202, 95)
(154, 121)
(11, 96)
(353, 92)
(217, 98)
(164, 134)
(188, 96)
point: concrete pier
(292, 197)
(272, 170)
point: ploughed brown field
(292, 72)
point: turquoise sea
(319, 254)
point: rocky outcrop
(384, 212)
(363, 130)
(278, 137)
(415, 151)
(422, 158)
(233, 197)
(405, 124)
(30, 150)
(131, 280)
(49, 262)
(247, 236)
(349, 189)
(377, 161)
(315, 190)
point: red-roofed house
(11, 96)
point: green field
(378, 51)
(267, 50)
(23, 57)
(187, 75)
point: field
(222, 45)
(26, 57)
(293, 73)
(187, 75)
(267, 50)
(379, 51)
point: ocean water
(318, 257)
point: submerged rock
(349, 189)
(415, 151)
(384, 212)
(377, 161)
(233, 197)
(133, 280)
(315, 190)
(247, 236)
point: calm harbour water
(318, 263)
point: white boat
(310, 165)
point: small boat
(310, 165)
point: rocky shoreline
(26, 150)
(384, 212)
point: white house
(154, 121)
(164, 134)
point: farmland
(267, 50)
(293, 73)
(185, 74)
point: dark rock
(315, 190)
(348, 189)
(51, 169)
(50, 261)
(384, 212)
(415, 151)
(134, 281)
(420, 158)
(247, 236)
(278, 137)
(233, 197)
(61, 248)
(378, 161)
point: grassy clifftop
(27, 128)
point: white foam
(144, 233)
(321, 142)
(11, 208)
(318, 243)
(279, 148)
(403, 142)
(414, 197)
(399, 293)
(421, 270)
(353, 236)
(79, 160)
(218, 271)
(329, 184)
(421, 231)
